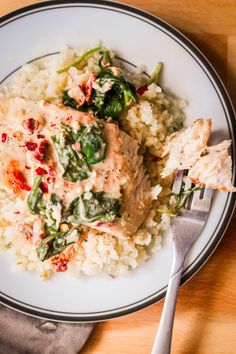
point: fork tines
(199, 199)
(202, 201)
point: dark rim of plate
(229, 113)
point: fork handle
(162, 343)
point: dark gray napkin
(21, 334)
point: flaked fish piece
(214, 170)
(185, 147)
(224, 145)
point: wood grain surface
(205, 320)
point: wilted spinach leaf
(38, 205)
(120, 95)
(76, 162)
(113, 94)
(73, 162)
(69, 101)
(35, 196)
(91, 206)
(53, 244)
(105, 59)
(93, 145)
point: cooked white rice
(150, 120)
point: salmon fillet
(121, 174)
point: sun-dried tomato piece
(89, 87)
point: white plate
(139, 38)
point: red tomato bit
(69, 120)
(59, 263)
(31, 146)
(26, 230)
(142, 89)
(44, 187)
(89, 87)
(20, 180)
(40, 136)
(30, 125)
(51, 172)
(4, 137)
(41, 154)
(26, 188)
(100, 223)
(40, 171)
(43, 146)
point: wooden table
(205, 321)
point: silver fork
(186, 228)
